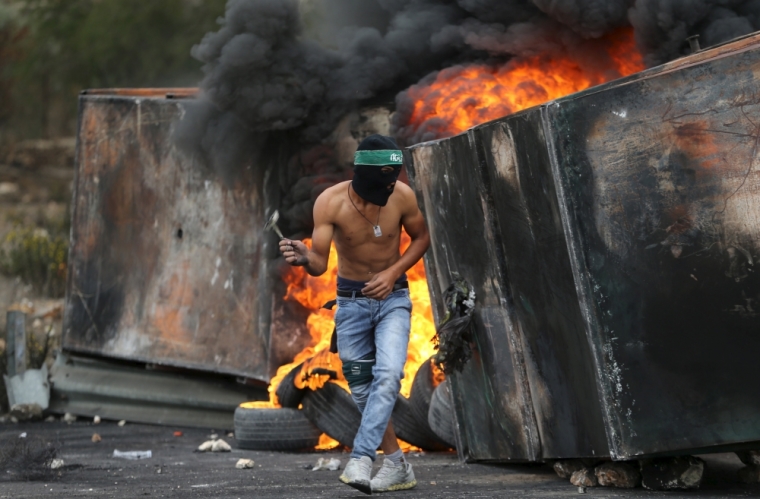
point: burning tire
(274, 429)
(333, 411)
(440, 415)
(287, 393)
(422, 392)
(410, 430)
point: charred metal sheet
(165, 260)
(540, 282)
(492, 398)
(90, 387)
(618, 229)
(660, 191)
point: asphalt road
(176, 471)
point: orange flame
(464, 96)
(313, 292)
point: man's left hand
(380, 286)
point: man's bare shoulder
(405, 196)
(404, 190)
(329, 202)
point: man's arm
(381, 285)
(315, 260)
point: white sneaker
(357, 474)
(392, 477)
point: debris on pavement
(51, 419)
(620, 475)
(26, 412)
(121, 423)
(177, 433)
(96, 420)
(132, 455)
(23, 435)
(214, 446)
(564, 468)
(96, 438)
(244, 464)
(69, 418)
(205, 446)
(323, 463)
(56, 464)
(220, 446)
(583, 478)
(672, 473)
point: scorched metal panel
(660, 187)
(539, 276)
(492, 399)
(165, 256)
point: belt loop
(353, 295)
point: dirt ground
(174, 470)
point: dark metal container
(614, 234)
(165, 260)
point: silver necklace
(376, 226)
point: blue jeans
(380, 327)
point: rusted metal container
(614, 233)
(166, 259)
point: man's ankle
(397, 458)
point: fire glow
(461, 97)
(313, 292)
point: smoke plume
(278, 65)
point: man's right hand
(295, 252)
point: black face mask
(374, 185)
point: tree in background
(76, 44)
(10, 41)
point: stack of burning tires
(424, 420)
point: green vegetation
(52, 49)
(37, 258)
(36, 250)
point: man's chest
(357, 228)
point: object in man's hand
(272, 224)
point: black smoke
(299, 66)
(661, 26)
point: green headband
(383, 157)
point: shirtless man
(364, 217)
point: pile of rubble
(667, 473)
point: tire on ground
(287, 393)
(274, 429)
(441, 416)
(333, 411)
(410, 430)
(422, 392)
